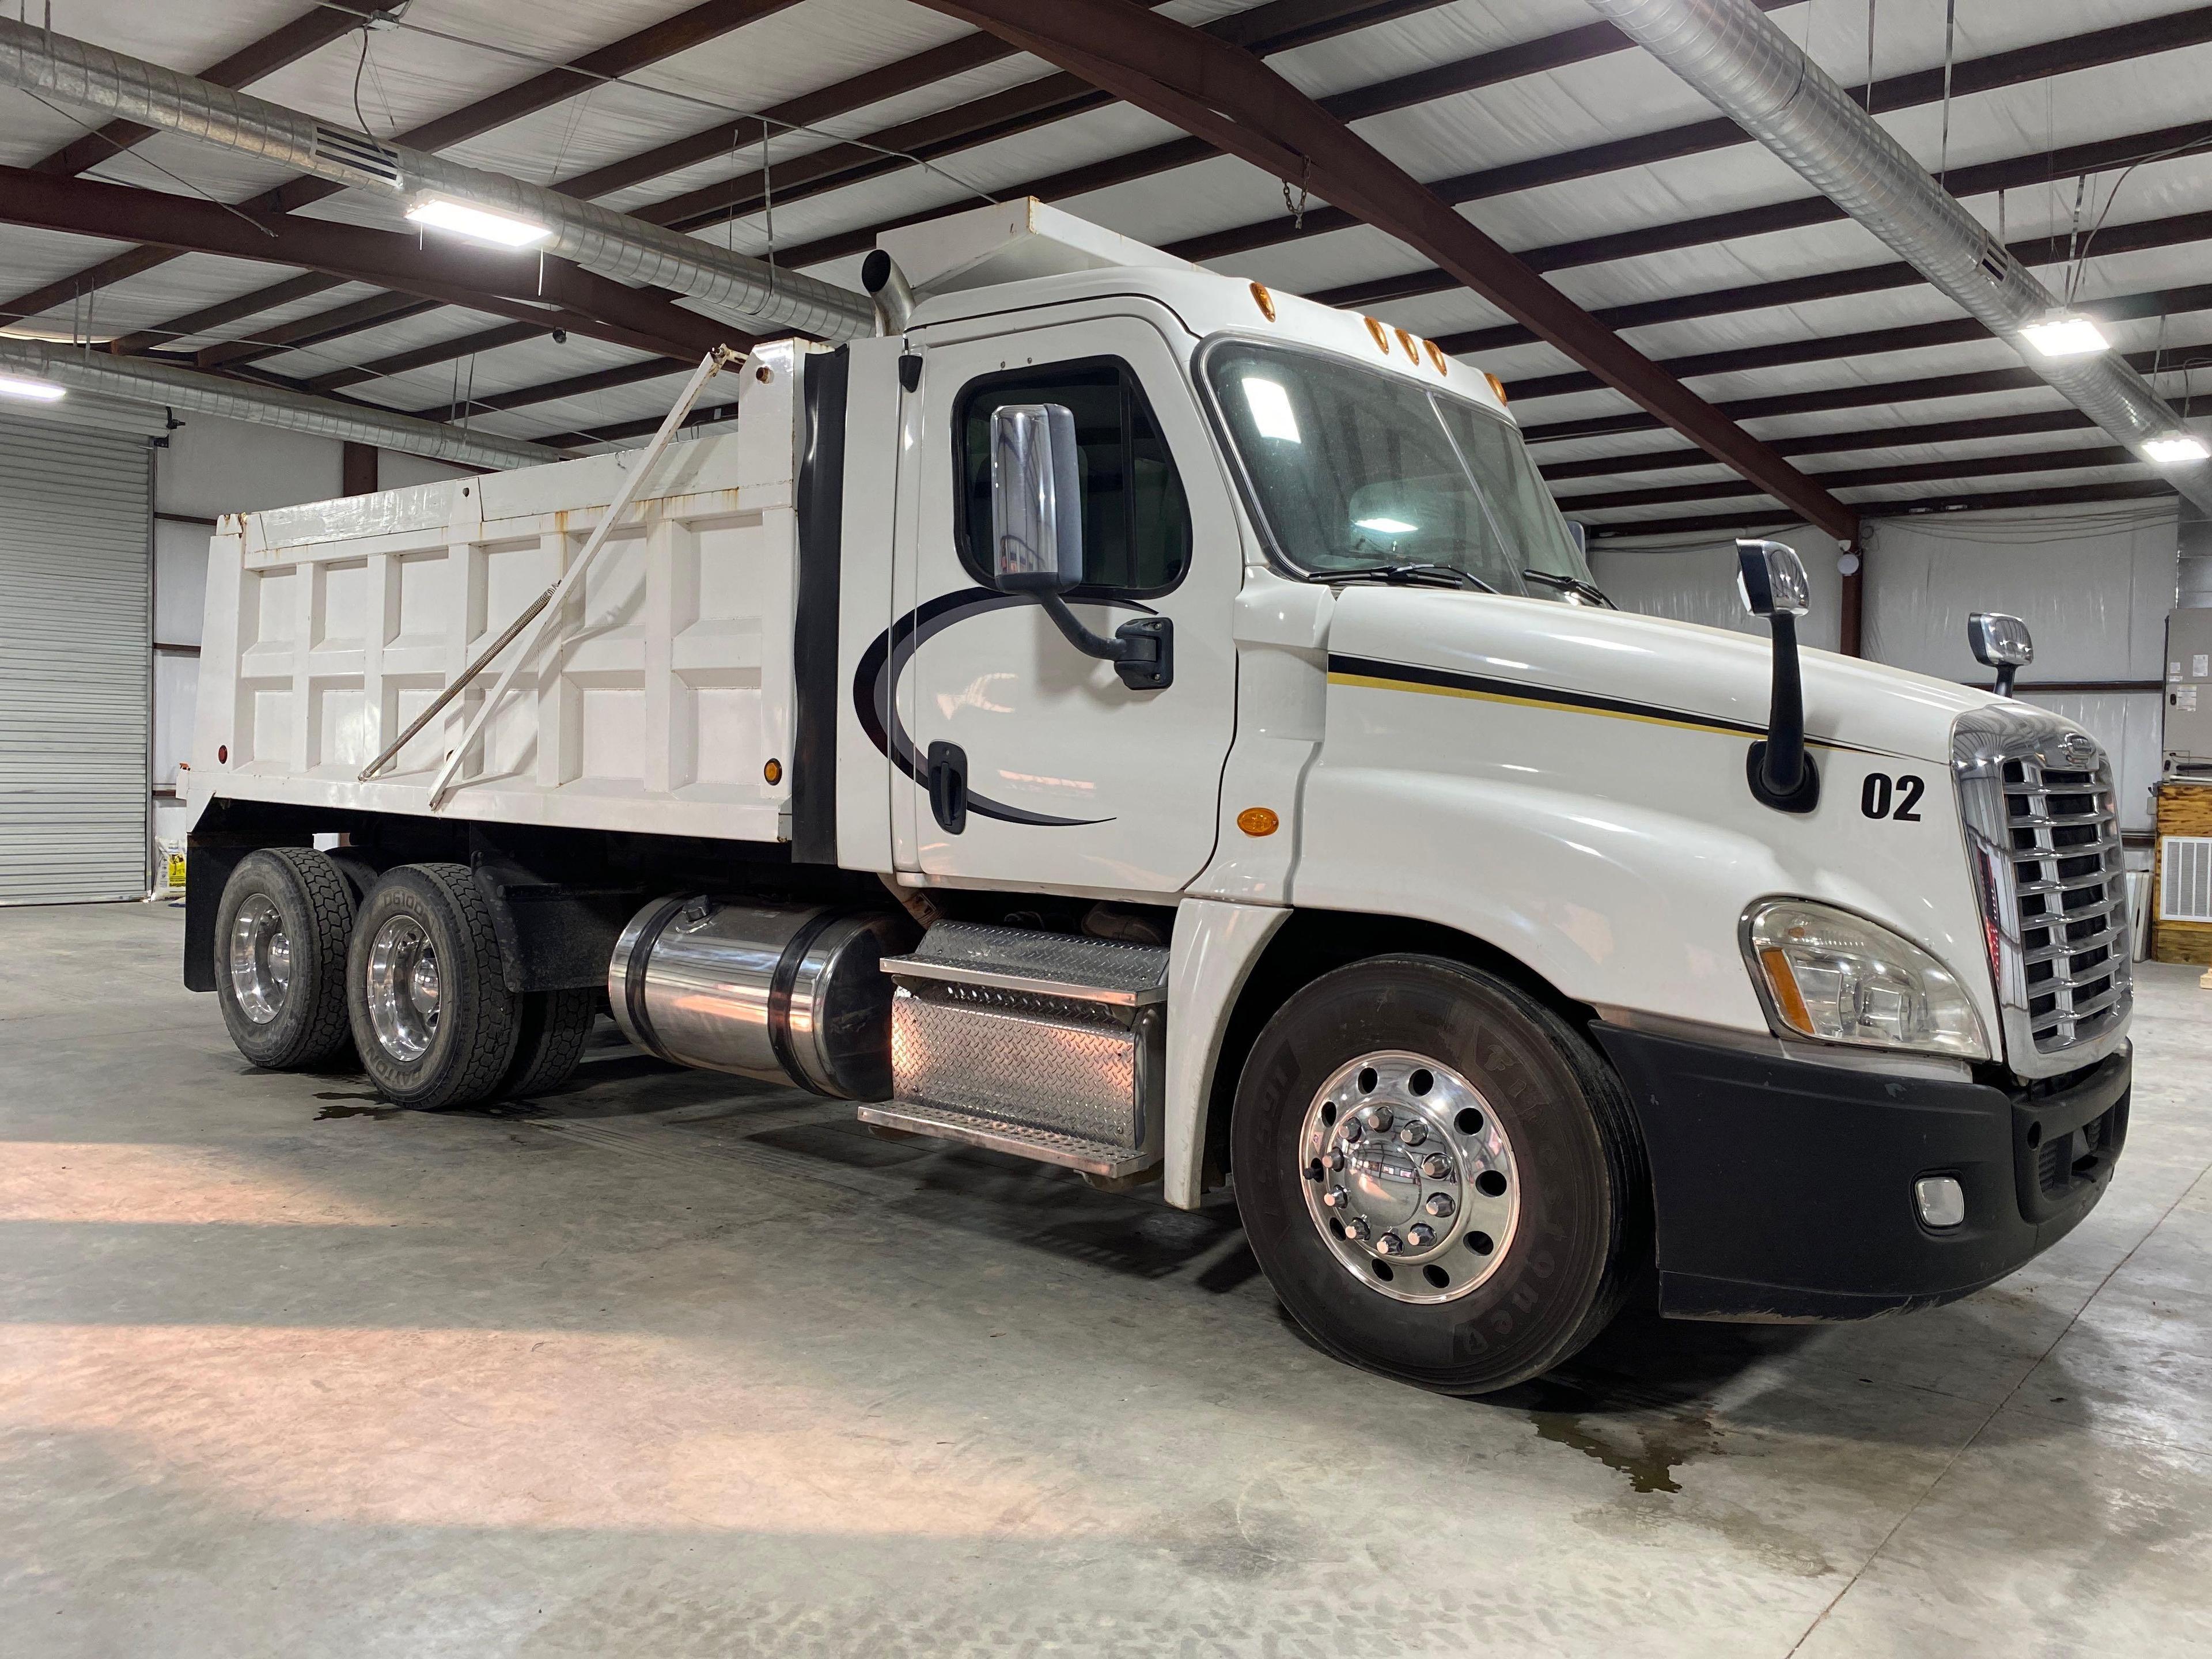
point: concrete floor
(671, 1364)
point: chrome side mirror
(1037, 540)
(1037, 500)
(2000, 642)
(1770, 578)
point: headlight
(1835, 977)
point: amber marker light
(1258, 821)
(1496, 385)
(1406, 341)
(1789, 1001)
(1375, 331)
(1264, 299)
(1437, 357)
(772, 771)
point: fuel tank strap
(780, 988)
(641, 1021)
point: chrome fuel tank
(785, 993)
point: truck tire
(1440, 1176)
(550, 1030)
(431, 1012)
(281, 935)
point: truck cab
(1123, 716)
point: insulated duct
(1750, 70)
(141, 380)
(733, 286)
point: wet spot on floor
(336, 1110)
(1647, 1453)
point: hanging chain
(1297, 209)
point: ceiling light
(1386, 527)
(477, 224)
(2066, 334)
(2176, 448)
(37, 392)
(1271, 409)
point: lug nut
(1333, 1160)
(1436, 1166)
(1334, 1198)
(1377, 1118)
(1439, 1204)
(1389, 1244)
(1413, 1134)
(1352, 1131)
(1420, 1234)
(1356, 1228)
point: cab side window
(1136, 522)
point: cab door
(1065, 777)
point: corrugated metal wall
(76, 516)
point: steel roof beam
(455, 274)
(1274, 26)
(636, 50)
(1964, 466)
(1832, 443)
(1222, 93)
(2125, 489)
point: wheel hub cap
(1409, 1176)
(260, 960)
(406, 989)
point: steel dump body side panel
(659, 700)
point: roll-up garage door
(76, 511)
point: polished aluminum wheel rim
(1409, 1176)
(260, 960)
(405, 988)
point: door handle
(948, 787)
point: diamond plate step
(1069, 965)
(1096, 1157)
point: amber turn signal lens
(1264, 299)
(772, 771)
(1788, 1000)
(1258, 821)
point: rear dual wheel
(1439, 1175)
(281, 931)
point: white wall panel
(1697, 584)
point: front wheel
(431, 1012)
(1440, 1176)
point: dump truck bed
(658, 697)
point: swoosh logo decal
(875, 683)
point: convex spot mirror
(1037, 500)
(1769, 579)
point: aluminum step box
(1050, 1045)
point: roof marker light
(1497, 385)
(1406, 341)
(1376, 332)
(1264, 299)
(476, 223)
(1437, 357)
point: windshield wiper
(1581, 590)
(1428, 575)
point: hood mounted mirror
(2000, 642)
(1771, 581)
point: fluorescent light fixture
(1386, 527)
(2176, 449)
(1271, 409)
(477, 224)
(36, 391)
(2066, 334)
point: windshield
(1355, 469)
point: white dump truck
(1128, 719)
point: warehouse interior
(671, 1361)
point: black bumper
(1783, 1191)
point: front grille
(2043, 827)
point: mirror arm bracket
(1781, 772)
(1142, 651)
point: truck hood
(1638, 667)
